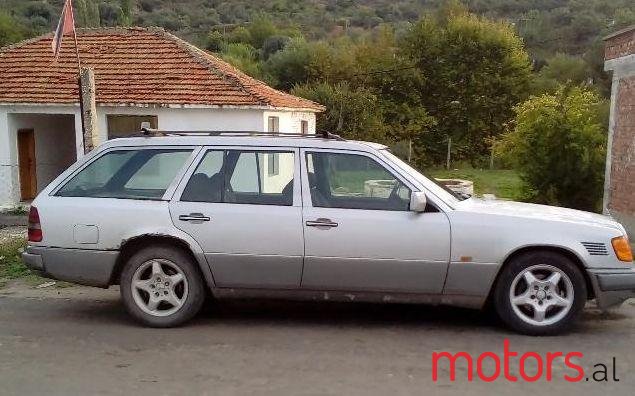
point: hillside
(547, 26)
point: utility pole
(409, 151)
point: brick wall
(620, 44)
(623, 152)
(620, 188)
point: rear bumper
(613, 286)
(85, 267)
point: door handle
(194, 217)
(322, 223)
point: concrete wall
(619, 191)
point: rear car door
(359, 232)
(243, 206)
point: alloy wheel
(541, 295)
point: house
(141, 75)
(619, 189)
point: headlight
(622, 248)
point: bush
(558, 145)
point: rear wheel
(162, 287)
(540, 293)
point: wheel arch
(571, 255)
(134, 244)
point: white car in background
(172, 216)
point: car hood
(535, 211)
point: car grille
(596, 248)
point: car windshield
(429, 182)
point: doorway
(26, 164)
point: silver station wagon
(173, 217)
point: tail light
(35, 228)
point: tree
(10, 31)
(260, 29)
(215, 41)
(87, 13)
(560, 69)
(289, 67)
(558, 144)
(351, 112)
(125, 17)
(245, 58)
(473, 71)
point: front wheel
(162, 287)
(540, 293)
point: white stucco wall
(169, 118)
(54, 136)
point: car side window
(351, 181)
(243, 177)
(129, 174)
(206, 183)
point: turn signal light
(622, 249)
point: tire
(177, 293)
(548, 293)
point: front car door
(243, 206)
(359, 232)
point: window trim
(169, 190)
(276, 124)
(297, 182)
(306, 193)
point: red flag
(66, 25)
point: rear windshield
(131, 174)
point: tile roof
(133, 66)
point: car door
(359, 232)
(243, 206)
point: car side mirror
(418, 202)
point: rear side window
(243, 177)
(131, 174)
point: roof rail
(148, 132)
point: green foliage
(215, 41)
(353, 112)
(260, 29)
(473, 71)
(87, 13)
(125, 16)
(244, 57)
(11, 265)
(561, 69)
(558, 145)
(289, 66)
(10, 32)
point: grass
(18, 211)
(11, 265)
(502, 183)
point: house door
(26, 163)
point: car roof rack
(148, 132)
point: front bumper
(84, 267)
(613, 286)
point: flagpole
(79, 76)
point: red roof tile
(145, 66)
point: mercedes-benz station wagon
(175, 217)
